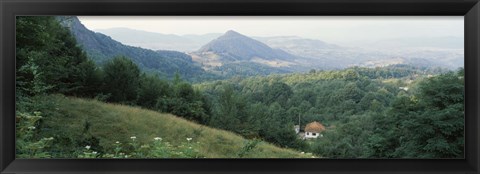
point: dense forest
(397, 111)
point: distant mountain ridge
(218, 56)
(441, 52)
(158, 41)
(102, 48)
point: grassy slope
(113, 122)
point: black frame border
(470, 9)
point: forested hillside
(393, 112)
(101, 48)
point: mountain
(234, 46)
(100, 125)
(236, 54)
(101, 48)
(158, 41)
(217, 56)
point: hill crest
(233, 46)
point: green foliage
(156, 149)
(48, 59)
(369, 112)
(28, 143)
(151, 88)
(121, 80)
(182, 100)
(229, 112)
(347, 140)
(429, 123)
(185, 91)
(248, 147)
(278, 92)
(92, 78)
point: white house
(314, 130)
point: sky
(333, 29)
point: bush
(27, 144)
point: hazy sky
(327, 28)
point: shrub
(28, 145)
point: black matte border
(468, 8)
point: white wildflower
(189, 139)
(134, 137)
(87, 147)
(116, 142)
(302, 152)
(31, 127)
(158, 139)
(94, 152)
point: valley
(297, 54)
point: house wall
(310, 135)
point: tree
(150, 89)
(49, 60)
(278, 128)
(176, 78)
(278, 92)
(180, 99)
(227, 109)
(185, 91)
(347, 140)
(428, 124)
(121, 80)
(441, 133)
